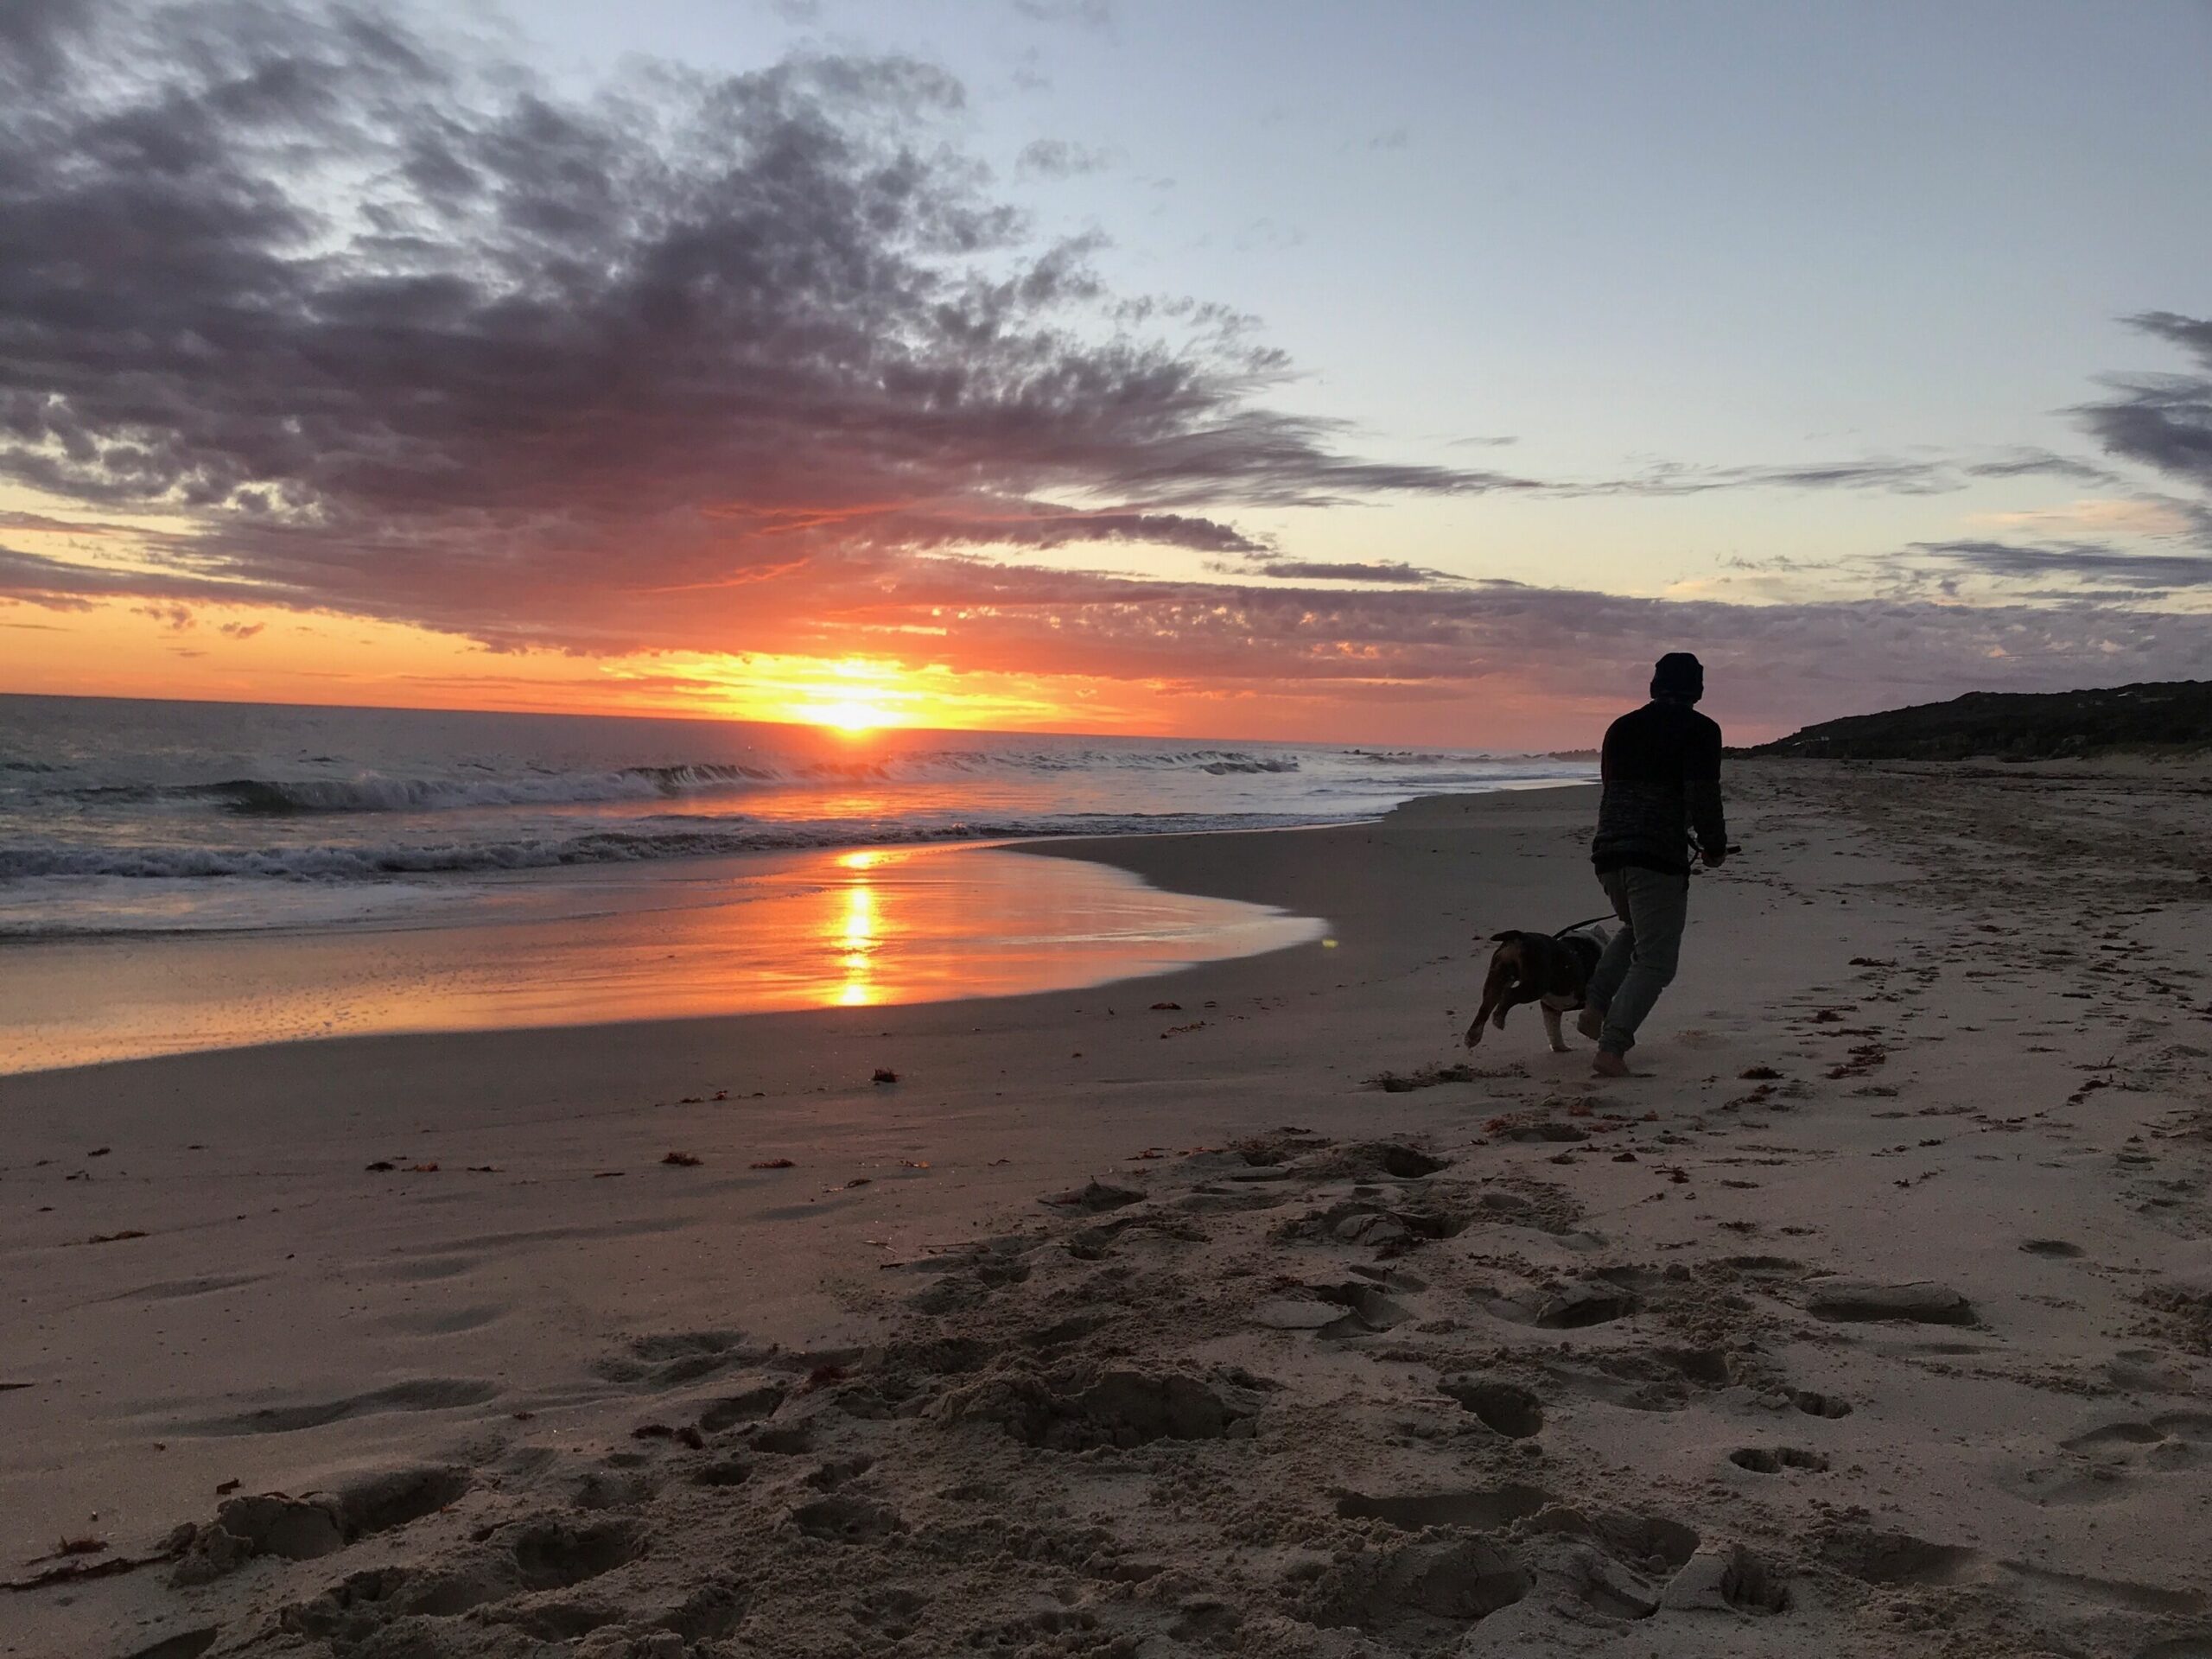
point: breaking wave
(370, 792)
(631, 845)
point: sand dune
(1876, 1320)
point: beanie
(1678, 675)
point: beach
(1137, 1318)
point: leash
(1606, 917)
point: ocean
(187, 876)
(144, 816)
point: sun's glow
(860, 694)
(849, 715)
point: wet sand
(1901, 1350)
(672, 940)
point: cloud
(1058, 158)
(45, 524)
(1767, 664)
(2085, 562)
(1090, 14)
(1884, 474)
(2034, 463)
(1385, 570)
(2163, 420)
(2137, 516)
(408, 334)
(1678, 478)
(759, 362)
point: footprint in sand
(1503, 1408)
(1814, 1404)
(2173, 1440)
(1658, 1379)
(1482, 1509)
(1848, 1301)
(1422, 1594)
(1572, 1306)
(1351, 1309)
(522, 1559)
(425, 1394)
(1777, 1461)
(302, 1529)
(1899, 1558)
(849, 1519)
(185, 1644)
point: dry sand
(1901, 1350)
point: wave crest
(325, 863)
(372, 792)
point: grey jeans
(1640, 961)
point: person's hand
(1715, 857)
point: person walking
(1661, 775)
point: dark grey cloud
(2163, 420)
(410, 334)
(2094, 563)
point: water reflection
(856, 939)
(810, 930)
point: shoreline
(1176, 876)
(266, 1307)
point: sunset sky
(1267, 368)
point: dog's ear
(1510, 933)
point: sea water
(181, 875)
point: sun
(849, 715)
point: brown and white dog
(1550, 969)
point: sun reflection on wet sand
(857, 941)
(783, 930)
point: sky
(1270, 368)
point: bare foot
(1605, 1064)
(1591, 1022)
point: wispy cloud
(1880, 475)
(1059, 158)
(2093, 562)
(1393, 572)
(2130, 515)
(1089, 14)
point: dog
(1550, 969)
